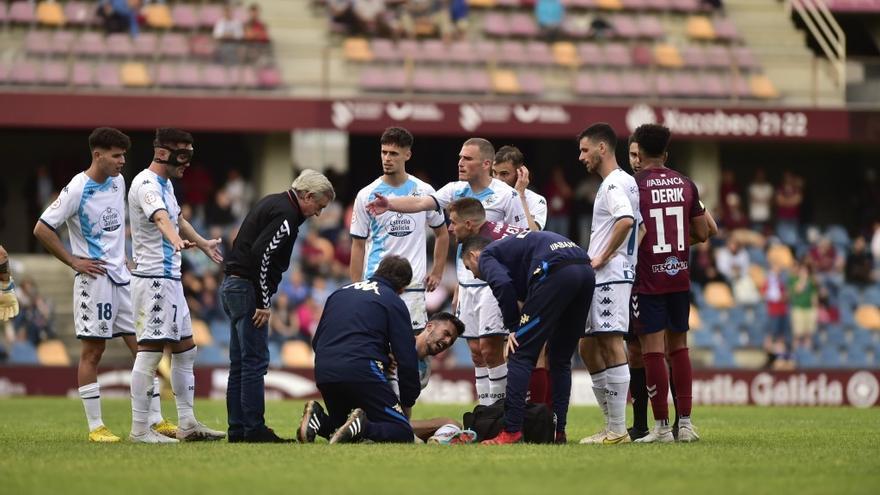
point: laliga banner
(857, 388)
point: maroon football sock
(683, 378)
(548, 397)
(657, 379)
(538, 387)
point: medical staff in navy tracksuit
(552, 276)
(361, 325)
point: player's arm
(8, 299)
(359, 231)
(711, 228)
(498, 277)
(210, 247)
(358, 251)
(621, 229)
(405, 204)
(163, 223)
(441, 249)
(50, 240)
(403, 347)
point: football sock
(145, 364)
(183, 385)
(155, 405)
(683, 377)
(657, 380)
(618, 385)
(481, 375)
(91, 399)
(497, 383)
(639, 397)
(600, 382)
(673, 393)
(538, 386)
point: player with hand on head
(473, 301)
(92, 205)
(674, 219)
(161, 315)
(612, 250)
(510, 167)
(374, 237)
(8, 300)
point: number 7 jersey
(668, 201)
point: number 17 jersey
(668, 201)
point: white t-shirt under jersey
(501, 203)
(537, 207)
(618, 197)
(402, 234)
(95, 217)
(154, 256)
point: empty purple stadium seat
(584, 84)
(685, 5)
(693, 56)
(4, 72)
(433, 51)
(618, 55)
(581, 4)
(409, 49)
(209, 15)
(22, 12)
(538, 52)
(659, 5)
(166, 75)
(38, 43)
(382, 79)
(635, 84)
(426, 81)
(146, 45)
(119, 45)
(174, 45)
(590, 54)
(90, 43)
(634, 4)
(512, 52)
(523, 25)
(664, 86)
(712, 86)
(625, 26)
(718, 56)
(82, 74)
(744, 58)
(725, 29)
(531, 83)
(478, 81)
(188, 76)
(384, 50)
(269, 77)
(496, 24)
(202, 45)
(24, 72)
(686, 84)
(608, 84)
(184, 16)
(642, 56)
(463, 53)
(649, 27)
(54, 73)
(107, 76)
(4, 15)
(215, 76)
(453, 81)
(244, 77)
(63, 41)
(739, 86)
(510, 3)
(485, 50)
(573, 28)
(80, 13)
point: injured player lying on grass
(440, 333)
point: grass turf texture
(43, 449)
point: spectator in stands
(549, 15)
(368, 15)
(282, 325)
(198, 188)
(715, 5)
(240, 194)
(703, 268)
(760, 201)
(34, 322)
(295, 287)
(827, 263)
(229, 32)
(342, 14)
(804, 298)
(219, 212)
(736, 218)
(778, 336)
(789, 196)
(745, 292)
(307, 316)
(731, 258)
(458, 16)
(255, 29)
(426, 18)
(728, 192)
(600, 28)
(558, 194)
(119, 16)
(859, 264)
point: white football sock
(600, 381)
(183, 385)
(145, 364)
(616, 390)
(91, 399)
(155, 405)
(497, 383)
(481, 375)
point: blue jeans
(248, 359)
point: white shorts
(101, 309)
(161, 312)
(418, 313)
(609, 312)
(479, 311)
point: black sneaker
(310, 424)
(635, 434)
(352, 430)
(235, 438)
(265, 436)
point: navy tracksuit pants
(385, 420)
(555, 311)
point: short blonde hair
(309, 181)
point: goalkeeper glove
(8, 301)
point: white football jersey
(402, 234)
(154, 256)
(537, 207)
(95, 217)
(501, 203)
(618, 197)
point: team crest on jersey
(111, 220)
(490, 199)
(671, 266)
(400, 225)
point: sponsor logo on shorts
(605, 300)
(671, 266)
(157, 284)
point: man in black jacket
(362, 323)
(260, 254)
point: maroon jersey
(498, 230)
(667, 201)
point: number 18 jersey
(668, 200)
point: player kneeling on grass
(360, 323)
(440, 333)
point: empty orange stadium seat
(53, 353)
(481, 4)
(762, 87)
(201, 333)
(357, 50)
(50, 14)
(668, 56)
(780, 255)
(756, 273)
(609, 4)
(505, 82)
(158, 16)
(135, 75)
(700, 28)
(565, 54)
(297, 354)
(868, 316)
(718, 295)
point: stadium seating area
(652, 48)
(63, 44)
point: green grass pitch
(43, 449)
